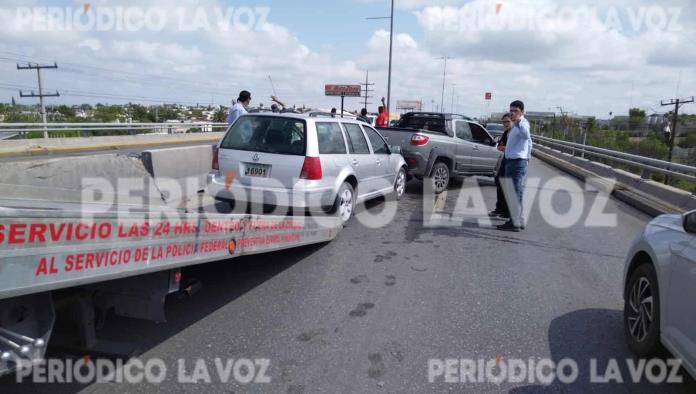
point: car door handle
(355, 162)
(476, 147)
(378, 162)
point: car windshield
(267, 134)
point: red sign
(489, 95)
(343, 90)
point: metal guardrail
(674, 170)
(102, 128)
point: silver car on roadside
(660, 288)
(320, 164)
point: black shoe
(495, 213)
(509, 226)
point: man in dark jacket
(501, 208)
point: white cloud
(586, 68)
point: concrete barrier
(646, 195)
(186, 167)
(40, 146)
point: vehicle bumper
(315, 199)
(416, 163)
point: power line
(102, 72)
(82, 93)
(99, 76)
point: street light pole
(444, 77)
(391, 48)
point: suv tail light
(419, 139)
(216, 160)
(311, 169)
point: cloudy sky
(591, 58)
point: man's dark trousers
(501, 205)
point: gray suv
(294, 160)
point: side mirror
(690, 222)
(395, 149)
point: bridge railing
(646, 164)
(56, 130)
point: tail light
(419, 140)
(311, 169)
(216, 159)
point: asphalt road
(367, 311)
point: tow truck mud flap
(25, 327)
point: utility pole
(452, 103)
(444, 77)
(367, 89)
(677, 103)
(41, 94)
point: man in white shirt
(240, 107)
(518, 152)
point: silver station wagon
(293, 160)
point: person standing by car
(501, 207)
(240, 107)
(363, 116)
(277, 106)
(383, 118)
(517, 155)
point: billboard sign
(343, 90)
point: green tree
(107, 113)
(636, 118)
(66, 111)
(140, 113)
(220, 115)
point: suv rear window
(267, 134)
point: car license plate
(257, 170)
